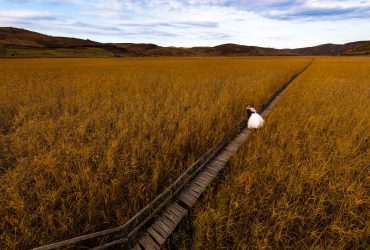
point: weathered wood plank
(205, 177)
(226, 153)
(177, 216)
(159, 238)
(216, 168)
(171, 217)
(202, 181)
(196, 189)
(210, 170)
(172, 210)
(205, 173)
(231, 149)
(179, 207)
(168, 222)
(232, 146)
(202, 184)
(193, 193)
(177, 212)
(217, 163)
(188, 199)
(160, 230)
(164, 227)
(220, 159)
(148, 243)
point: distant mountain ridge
(353, 48)
(15, 42)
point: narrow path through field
(156, 234)
(150, 228)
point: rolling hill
(354, 48)
(15, 42)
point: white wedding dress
(255, 121)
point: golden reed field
(86, 143)
(302, 181)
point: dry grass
(302, 182)
(85, 143)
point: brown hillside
(15, 42)
(235, 49)
(24, 43)
(335, 49)
(13, 37)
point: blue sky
(278, 24)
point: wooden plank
(164, 227)
(226, 153)
(193, 193)
(176, 212)
(236, 143)
(205, 177)
(180, 208)
(169, 209)
(202, 179)
(208, 174)
(171, 217)
(201, 182)
(148, 243)
(232, 149)
(210, 170)
(175, 218)
(160, 230)
(225, 158)
(187, 199)
(220, 160)
(213, 170)
(232, 146)
(214, 167)
(156, 235)
(168, 222)
(196, 189)
(217, 165)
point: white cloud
(23, 14)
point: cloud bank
(279, 23)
